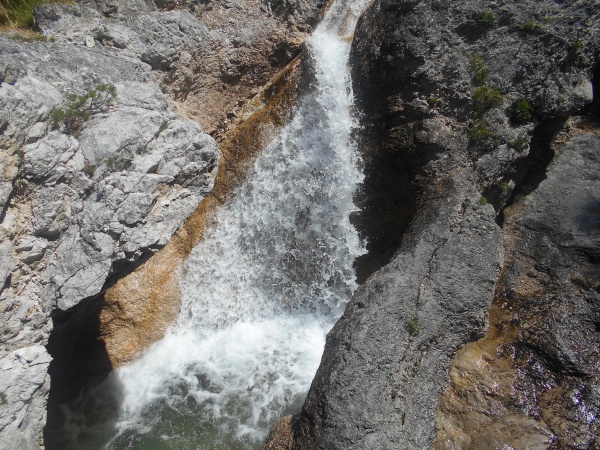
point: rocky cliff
(101, 165)
(477, 321)
(464, 104)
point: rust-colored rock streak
(282, 436)
(531, 382)
(140, 307)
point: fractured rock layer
(459, 102)
(534, 379)
(141, 306)
(81, 205)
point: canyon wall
(464, 104)
(479, 307)
(94, 194)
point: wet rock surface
(83, 207)
(533, 382)
(461, 102)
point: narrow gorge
(300, 225)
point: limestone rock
(437, 86)
(211, 66)
(81, 208)
(533, 380)
(24, 387)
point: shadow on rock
(85, 398)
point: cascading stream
(266, 284)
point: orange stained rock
(140, 307)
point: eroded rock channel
(476, 322)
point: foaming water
(266, 284)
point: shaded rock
(533, 380)
(386, 360)
(437, 87)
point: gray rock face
(156, 38)
(438, 84)
(24, 385)
(386, 359)
(544, 331)
(210, 66)
(80, 207)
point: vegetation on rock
(82, 107)
(485, 20)
(414, 326)
(522, 111)
(19, 13)
(486, 98)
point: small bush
(19, 13)
(479, 70)
(518, 144)
(486, 98)
(485, 20)
(482, 137)
(529, 25)
(522, 111)
(577, 45)
(483, 200)
(504, 187)
(82, 107)
(414, 325)
(89, 169)
(432, 101)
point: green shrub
(504, 187)
(19, 13)
(414, 325)
(479, 132)
(483, 200)
(82, 107)
(485, 20)
(518, 144)
(89, 169)
(529, 25)
(486, 98)
(482, 137)
(479, 70)
(432, 101)
(577, 44)
(522, 111)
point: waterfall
(268, 281)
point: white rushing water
(266, 284)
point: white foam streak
(270, 277)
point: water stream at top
(266, 284)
